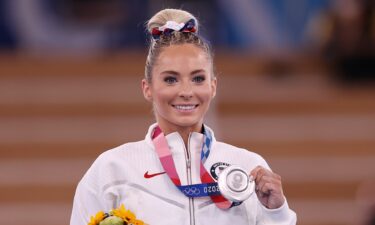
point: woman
(149, 176)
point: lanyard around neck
(208, 187)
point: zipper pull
(188, 162)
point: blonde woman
(171, 177)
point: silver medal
(235, 184)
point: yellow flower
(95, 220)
(126, 215)
(139, 222)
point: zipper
(189, 181)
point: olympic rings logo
(192, 191)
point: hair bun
(174, 17)
(171, 26)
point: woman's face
(182, 87)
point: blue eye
(199, 79)
(170, 80)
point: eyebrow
(198, 71)
(171, 72)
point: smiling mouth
(185, 107)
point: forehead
(182, 57)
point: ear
(213, 86)
(146, 90)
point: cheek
(205, 94)
(161, 97)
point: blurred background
(296, 85)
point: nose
(186, 91)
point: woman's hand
(268, 187)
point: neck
(185, 134)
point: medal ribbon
(208, 187)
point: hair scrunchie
(171, 26)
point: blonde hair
(175, 38)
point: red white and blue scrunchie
(172, 26)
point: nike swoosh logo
(147, 175)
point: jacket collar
(175, 140)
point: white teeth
(184, 107)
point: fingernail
(251, 178)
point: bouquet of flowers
(119, 216)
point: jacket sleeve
(87, 197)
(279, 216)
(85, 205)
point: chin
(187, 123)
(180, 122)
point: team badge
(217, 168)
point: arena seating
(58, 114)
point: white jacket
(118, 177)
